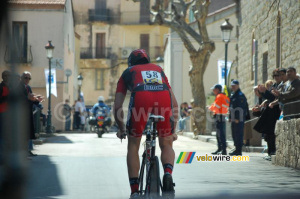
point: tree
(175, 19)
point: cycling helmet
(138, 56)
(100, 99)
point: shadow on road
(59, 140)
(43, 179)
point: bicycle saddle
(156, 118)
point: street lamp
(80, 79)
(226, 29)
(49, 49)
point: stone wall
(258, 20)
(288, 143)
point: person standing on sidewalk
(4, 93)
(220, 109)
(67, 113)
(239, 112)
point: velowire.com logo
(187, 158)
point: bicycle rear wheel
(154, 178)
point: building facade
(109, 31)
(269, 38)
(32, 24)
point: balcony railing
(291, 110)
(99, 15)
(95, 53)
(19, 56)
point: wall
(288, 143)
(258, 22)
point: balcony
(18, 56)
(95, 53)
(99, 15)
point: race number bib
(151, 77)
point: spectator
(25, 79)
(239, 112)
(284, 80)
(184, 115)
(276, 78)
(4, 93)
(78, 110)
(74, 112)
(292, 91)
(67, 111)
(269, 85)
(268, 118)
(220, 109)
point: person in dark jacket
(238, 113)
(268, 118)
(25, 79)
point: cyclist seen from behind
(150, 94)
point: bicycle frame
(149, 153)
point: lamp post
(49, 49)
(80, 79)
(226, 29)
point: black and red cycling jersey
(144, 77)
(150, 93)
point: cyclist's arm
(118, 105)
(118, 111)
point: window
(144, 42)
(144, 11)
(265, 67)
(20, 41)
(191, 15)
(99, 79)
(253, 58)
(100, 45)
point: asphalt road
(82, 166)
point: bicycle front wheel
(154, 178)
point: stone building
(269, 38)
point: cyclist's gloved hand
(121, 134)
(175, 137)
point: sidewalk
(212, 139)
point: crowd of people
(272, 96)
(16, 88)
(81, 113)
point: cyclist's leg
(167, 153)
(138, 115)
(133, 162)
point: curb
(212, 139)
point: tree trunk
(199, 62)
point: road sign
(57, 63)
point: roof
(216, 5)
(38, 2)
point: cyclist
(150, 93)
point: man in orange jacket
(220, 109)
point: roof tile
(37, 2)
